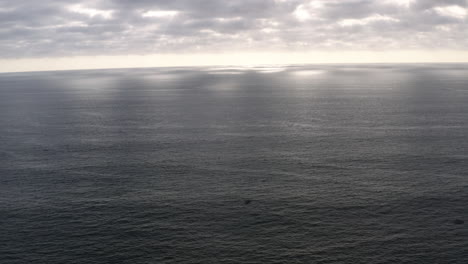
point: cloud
(54, 28)
(367, 20)
(451, 11)
(159, 13)
(107, 14)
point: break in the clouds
(30, 28)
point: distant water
(296, 164)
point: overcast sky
(64, 28)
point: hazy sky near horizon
(64, 28)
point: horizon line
(72, 63)
(236, 65)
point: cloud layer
(118, 27)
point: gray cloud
(115, 27)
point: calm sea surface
(296, 164)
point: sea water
(260, 164)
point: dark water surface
(312, 164)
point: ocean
(344, 163)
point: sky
(69, 34)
